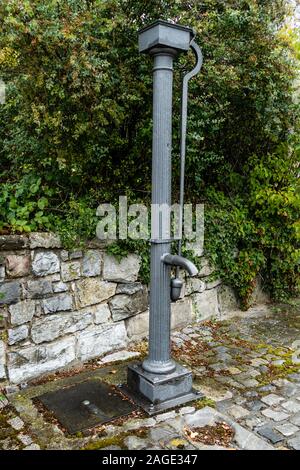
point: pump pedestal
(155, 393)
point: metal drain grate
(86, 405)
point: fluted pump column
(159, 361)
(159, 383)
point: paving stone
(238, 412)
(2, 360)
(287, 429)
(291, 406)
(177, 424)
(165, 416)
(218, 367)
(16, 423)
(295, 377)
(263, 369)
(139, 423)
(267, 388)
(159, 433)
(2, 273)
(10, 389)
(3, 401)
(295, 419)
(25, 439)
(247, 440)
(186, 410)
(269, 357)
(268, 432)
(275, 415)
(255, 405)
(272, 399)
(280, 382)
(188, 330)
(294, 443)
(250, 383)
(221, 349)
(184, 337)
(224, 357)
(177, 341)
(204, 417)
(258, 362)
(278, 362)
(290, 389)
(233, 370)
(224, 405)
(240, 400)
(251, 394)
(254, 373)
(253, 422)
(32, 447)
(235, 384)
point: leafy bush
(23, 204)
(79, 93)
(256, 231)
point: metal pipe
(159, 359)
(180, 262)
(183, 128)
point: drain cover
(86, 405)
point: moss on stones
(117, 440)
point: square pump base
(155, 393)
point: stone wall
(60, 308)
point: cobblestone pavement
(248, 368)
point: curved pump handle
(183, 127)
(178, 260)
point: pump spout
(180, 261)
